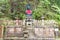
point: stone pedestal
(29, 22)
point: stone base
(1, 38)
(33, 39)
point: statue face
(14, 31)
(18, 30)
(10, 30)
(41, 32)
(38, 31)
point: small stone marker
(1, 31)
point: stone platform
(29, 30)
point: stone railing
(46, 23)
(35, 22)
(11, 22)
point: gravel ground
(57, 38)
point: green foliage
(47, 8)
